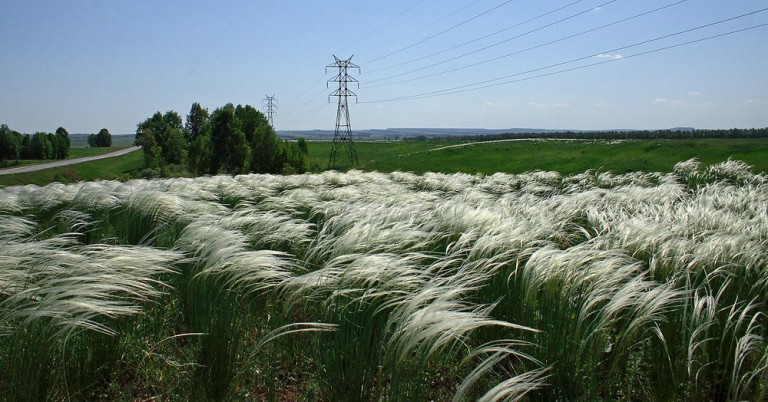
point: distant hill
(400, 133)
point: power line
(391, 20)
(479, 85)
(495, 44)
(477, 39)
(441, 32)
(424, 27)
(527, 49)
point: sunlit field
(388, 286)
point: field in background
(567, 157)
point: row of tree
(612, 135)
(230, 140)
(40, 145)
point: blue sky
(85, 65)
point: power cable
(479, 85)
(424, 27)
(476, 39)
(496, 44)
(440, 33)
(529, 48)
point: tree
(63, 142)
(261, 137)
(104, 138)
(10, 144)
(54, 145)
(196, 129)
(229, 146)
(197, 123)
(100, 140)
(175, 150)
(40, 147)
(25, 153)
(145, 138)
(302, 143)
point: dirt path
(32, 168)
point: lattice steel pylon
(271, 102)
(343, 133)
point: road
(65, 162)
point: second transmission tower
(271, 102)
(343, 133)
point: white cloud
(694, 93)
(757, 102)
(609, 56)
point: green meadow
(564, 156)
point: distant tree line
(230, 140)
(40, 145)
(611, 135)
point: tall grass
(372, 286)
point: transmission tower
(271, 102)
(343, 133)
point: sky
(495, 64)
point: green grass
(110, 168)
(566, 157)
(74, 153)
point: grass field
(366, 286)
(124, 166)
(74, 153)
(567, 157)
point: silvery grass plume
(733, 171)
(224, 286)
(594, 307)
(72, 287)
(439, 319)
(224, 255)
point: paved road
(65, 162)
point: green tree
(25, 152)
(302, 144)
(145, 138)
(104, 138)
(197, 123)
(229, 146)
(40, 147)
(162, 140)
(10, 144)
(175, 149)
(261, 137)
(54, 145)
(295, 155)
(197, 134)
(63, 143)
(100, 140)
